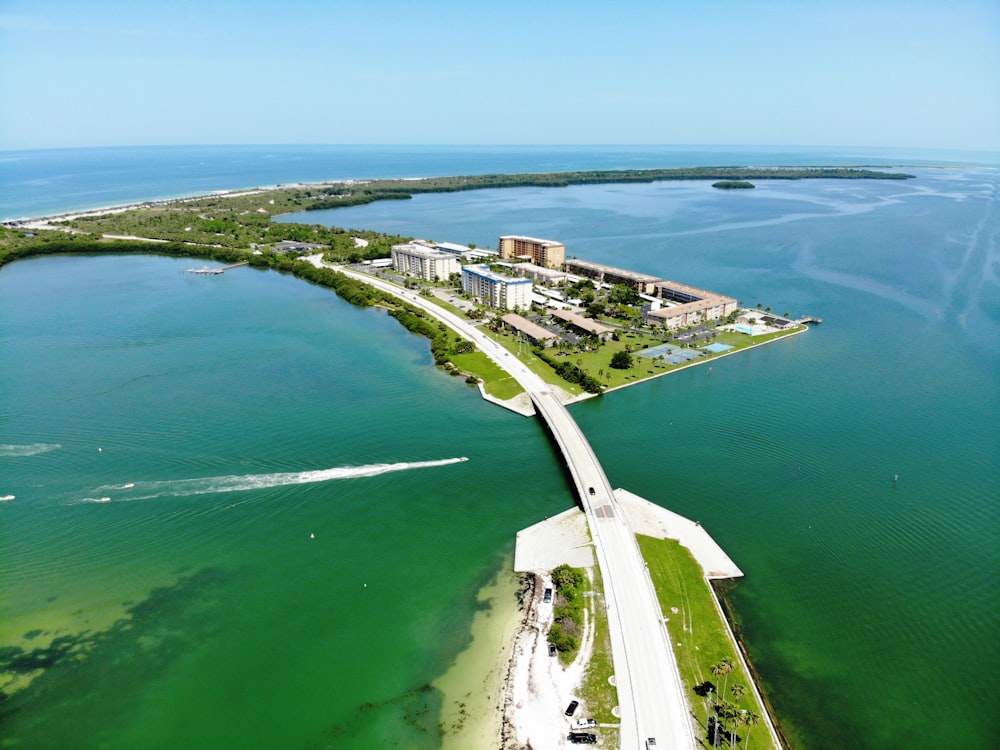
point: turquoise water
(866, 599)
(50, 181)
(220, 602)
(286, 449)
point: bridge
(650, 696)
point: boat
(5, 498)
(128, 486)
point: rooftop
(587, 324)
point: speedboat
(5, 498)
(128, 486)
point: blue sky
(902, 73)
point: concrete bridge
(650, 695)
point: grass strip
(700, 638)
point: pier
(206, 271)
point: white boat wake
(33, 449)
(241, 483)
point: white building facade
(423, 262)
(495, 290)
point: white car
(584, 723)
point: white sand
(538, 687)
(474, 687)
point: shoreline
(469, 717)
(676, 173)
(475, 685)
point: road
(650, 695)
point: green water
(221, 603)
(297, 615)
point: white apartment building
(423, 262)
(495, 290)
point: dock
(206, 271)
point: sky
(876, 73)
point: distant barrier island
(375, 190)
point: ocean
(297, 558)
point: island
(733, 185)
(534, 329)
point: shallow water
(241, 618)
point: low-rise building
(641, 282)
(687, 305)
(535, 333)
(548, 253)
(495, 290)
(538, 274)
(292, 246)
(464, 251)
(587, 325)
(423, 262)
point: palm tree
(727, 669)
(738, 691)
(709, 702)
(750, 720)
(725, 711)
(722, 669)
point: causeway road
(650, 696)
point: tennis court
(675, 355)
(717, 348)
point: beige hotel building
(540, 252)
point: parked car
(552, 649)
(584, 723)
(572, 707)
(548, 596)
(592, 491)
(582, 738)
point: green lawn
(599, 695)
(496, 381)
(698, 632)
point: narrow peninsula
(534, 329)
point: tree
(738, 692)
(566, 577)
(723, 669)
(749, 719)
(730, 667)
(621, 294)
(621, 360)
